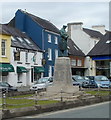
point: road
(100, 110)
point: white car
(42, 83)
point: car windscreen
(3, 84)
(78, 78)
(101, 78)
(42, 80)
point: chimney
(100, 28)
(74, 26)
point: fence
(35, 99)
(42, 98)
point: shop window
(17, 55)
(32, 74)
(19, 77)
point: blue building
(43, 33)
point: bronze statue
(63, 41)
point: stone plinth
(62, 77)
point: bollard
(4, 101)
(36, 92)
(61, 96)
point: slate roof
(73, 49)
(93, 33)
(43, 23)
(19, 39)
(2, 31)
(103, 47)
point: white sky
(60, 13)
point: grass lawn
(24, 102)
(101, 93)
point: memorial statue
(63, 41)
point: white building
(26, 58)
(85, 39)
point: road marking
(66, 110)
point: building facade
(101, 56)
(6, 68)
(43, 33)
(85, 39)
(77, 58)
(25, 57)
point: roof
(2, 31)
(43, 23)
(102, 47)
(74, 49)
(19, 39)
(93, 33)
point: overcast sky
(60, 13)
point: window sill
(3, 56)
(35, 64)
(49, 59)
(27, 63)
(19, 82)
(19, 62)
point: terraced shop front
(5, 69)
(38, 72)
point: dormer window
(108, 41)
(20, 39)
(49, 38)
(76, 47)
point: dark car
(4, 86)
(89, 84)
(99, 81)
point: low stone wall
(53, 107)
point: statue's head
(64, 26)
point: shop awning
(38, 69)
(6, 67)
(21, 69)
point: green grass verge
(99, 93)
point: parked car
(42, 83)
(89, 84)
(77, 80)
(99, 81)
(4, 86)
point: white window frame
(49, 54)
(3, 48)
(56, 40)
(49, 38)
(56, 53)
(79, 62)
(73, 62)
